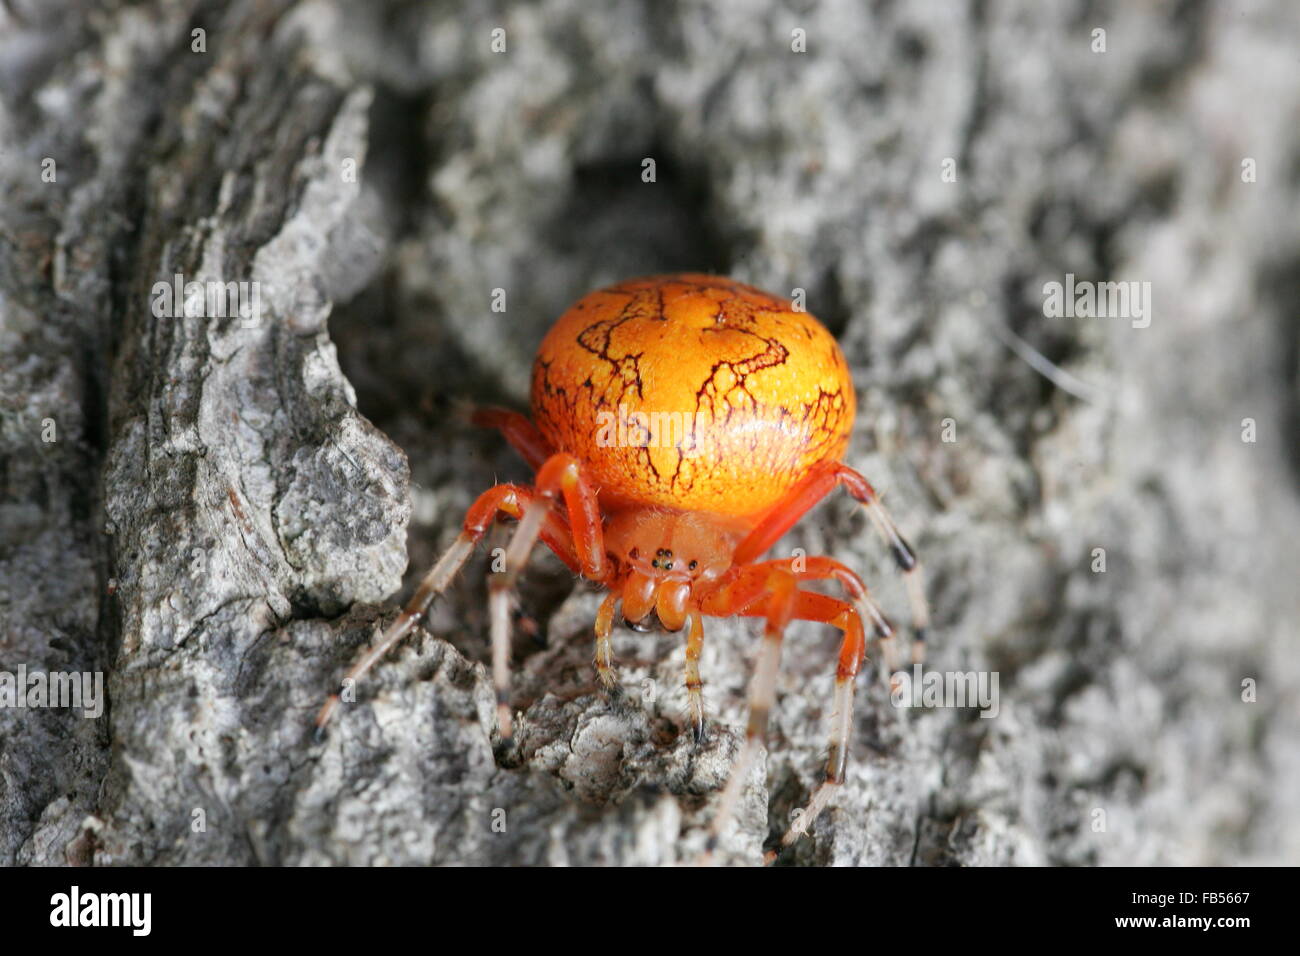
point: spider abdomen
(692, 392)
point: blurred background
(923, 170)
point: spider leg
(560, 475)
(604, 648)
(819, 607)
(777, 609)
(695, 686)
(518, 430)
(818, 568)
(811, 489)
(847, 616)
(506, 499)
(740, 594)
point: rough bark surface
(224, 515)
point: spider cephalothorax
(661, 559)
(681, 425)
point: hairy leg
(604, 648)
(695, 686)
(820, 568)
(501, 499)
(518, 430)
(778, 607)
(813, 488)
(743, 595)
(819, 607)
(560, 475)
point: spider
(681, 425)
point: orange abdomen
(692, 392)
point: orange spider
(683, 424)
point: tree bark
(213, 510)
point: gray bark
(223, 518)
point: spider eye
(693, 565)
